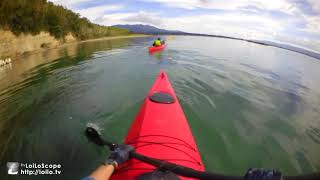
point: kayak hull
(156, 48)
(160, 130)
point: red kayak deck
(156, 48)
(160, 131)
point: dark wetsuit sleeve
(88, 178)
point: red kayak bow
(160, 130)
(156, 48)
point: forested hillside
(33, 16)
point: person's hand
(120, 154)
(262, 174)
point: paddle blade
(94, 135)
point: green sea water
(248, 105)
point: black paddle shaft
(182, 170)
(189, 172)
(94, 136)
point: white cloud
(280, 5)
(93, 13)
(69, 3)
(140, 17)
(313, 24)
(237, 25)
(315, 5)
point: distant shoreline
(306, 52)
(152, 30)
(101, 39)
(35, 51)
(117, 37)
(263, 43)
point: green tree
(33, 16)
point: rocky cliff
(12, 45)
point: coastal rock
(15, 45)
(7, 60)
(2, 62)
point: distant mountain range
(147, 29)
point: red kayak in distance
(156, 48)
(160, 130)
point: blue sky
(291, 21)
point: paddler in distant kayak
(158, 42)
